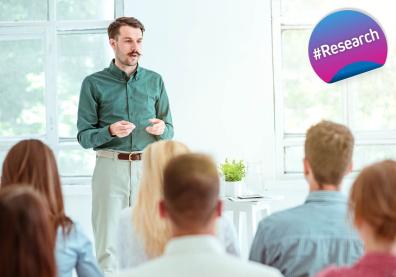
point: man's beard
(125, 61)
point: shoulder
(251, 268)
(149, 268)
(77, 234)
(280, 220)
(280, 227)
(96, 76)
(74, 239)
(150, 73)
(150, 76)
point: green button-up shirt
(109, 96)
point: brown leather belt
(129, 156)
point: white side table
(255, 210)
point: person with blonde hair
(372, 206)
(142, 234)
(302, 240)
(32, 163)
(192, 208)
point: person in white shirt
(191, 207)
(141, 234)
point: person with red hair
(373, 208)
(32, 163)
(26, 235)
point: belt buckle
(130, 157)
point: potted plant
(233, 173)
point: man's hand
(121, 128)
(158, 127)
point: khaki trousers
(114, 187)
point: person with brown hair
(191, 206)
(27, 238)
(142, 235)
(122, 109)
(301, 241)
(32, 163)
(372, 206)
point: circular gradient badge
(346, 43)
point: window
(48, 47)
(364, 103)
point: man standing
(122, 109)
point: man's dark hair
(191, 189)
(114, 28)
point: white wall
(215, 58)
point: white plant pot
(233, 188)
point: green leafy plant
(233, 171)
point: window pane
(18, 10)
(363, 155)
(79, 56)
(3, 154)
(294, 156)
(22, 110)
(374, 97)
(84, 10)
(76, 162)
(307, 99)
(367, 154)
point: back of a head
(328, 149)
(26, 237)
(191, 189)
(32, 162)
(372, 199)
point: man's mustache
(135, 52)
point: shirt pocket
(150, 104)
(144, 109)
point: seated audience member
(26, 237)
(303, 240)
(31, 162)
(191, 206)
(141, 233)
(373, 208)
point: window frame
(283, 139)
(48, 30)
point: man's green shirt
(109, 96)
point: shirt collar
(193, 244)
(121, 74)
(326, 196)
